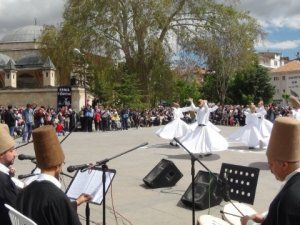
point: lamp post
(78, 52)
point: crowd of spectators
(22, 120)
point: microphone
(26, 175)
(71, 169)
(26, 157)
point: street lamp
(78, 52)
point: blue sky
(280, 19)
(281, 22)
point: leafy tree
(228, 46)
(251, 85)
(185, 90)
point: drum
(211, 220)
(233, 216)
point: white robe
(296, 114)
(264, 126)
(177, 128)
(249, 134)
(203, 139)
(194, 125)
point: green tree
(228, 46)
(139, 33)
(251, 85)
(185, 90)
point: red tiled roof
(289, 67)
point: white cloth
(177, 128)
(249, 134)
(296, 114)
(264, 126)
(53, 180)
(5, 170)
(203, 139)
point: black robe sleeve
(8, 195)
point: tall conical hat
(294, 101)
(6, 141)
(284, 142)
(47, 148)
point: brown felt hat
(6, 141)
(284, 142)
(47, 148)
(294, 101)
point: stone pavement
(136, 204)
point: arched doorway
(26, 81)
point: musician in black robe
(42, 200)
(8, 190)
(284, 161)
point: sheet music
(90, 182)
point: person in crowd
(283, 156)
(10, 120)
(204, 139)
(97, 118)
(42, 200)
(296, 107)
(8, 189)
(271, 113)
(28, 117)
(177, 128)
(89, 115)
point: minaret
(10, 74)
(48, 73)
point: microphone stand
(104, 167)
(220, 181)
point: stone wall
(41, 96)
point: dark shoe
(208, 154)
(171, 143)
(251, 147)
(201, 156)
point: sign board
(64, 96)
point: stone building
(286, 80)
(26, 76)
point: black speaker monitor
(164, 174)
(207, 192)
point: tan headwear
(176, 105)
(47, 148)
(6, 141)
(284, 142)
(294, 101)
(252, 108)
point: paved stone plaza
(131, 199)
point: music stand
(90, 181)
(241, 182)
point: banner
(64, 96)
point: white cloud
(279, 45)
(274, 13)
(18, 13)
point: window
(283, 77)
(283, 90)
(7, 76)
(46, 74)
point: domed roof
(30, 60)
(23, 34)
(4, 59)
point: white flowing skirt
(194, 125)
(265, 128)
(175, 129)
(203, 140)
(249, 135)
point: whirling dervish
(249, 134)
(264, 125)
(177, 128)
(203, 139)
(194, 125)
(296, 107)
